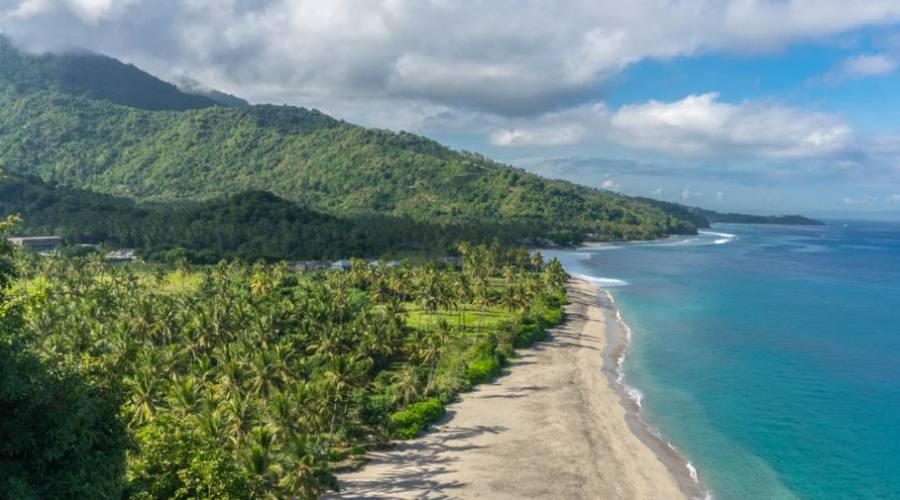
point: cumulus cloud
(695, 126)
(507, 57)
(702, 124)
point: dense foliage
(60, 434)
(250, 226)
(235, 381)
(75, 138)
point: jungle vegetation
(251, 226)
(242, 381)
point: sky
(752, 105)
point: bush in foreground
(413, 419)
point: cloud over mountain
(504, 57)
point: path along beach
(554, 426)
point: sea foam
(721, 238)
(601, 282)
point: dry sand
(553, 427)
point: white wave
(721, 238)
(635, 395)
(693, 472)
(601, 282)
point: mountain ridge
(159, 152)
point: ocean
(769, 356)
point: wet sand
(552, 427)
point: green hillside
(75, 137)
(250, 225)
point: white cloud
(860, 66)
(520, 72)
(28, 8)
(610, 185)
(541, 136)
(696, 126)
(87, 11)
(94, 10)
(868, 65)
(720, 197)
(893, 198)
(701, 125)
(511, 57)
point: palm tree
(430, 353)
(143, 388)
(184, 394)
(537, 261)
(482, 299)
(307, 473)
(407, 385)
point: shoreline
(618, 342)
(552, 426)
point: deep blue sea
(769, 355)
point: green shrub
(482, 370)
(552, 316)
(410, 421)
(175, 462)
(529, 334)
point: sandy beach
(552, 427)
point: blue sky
(753, 105)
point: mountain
(190, 86)
(162, 149)
(92, 122)
(93, 76)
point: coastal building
(121, 255)
(342, 264)
(41, 244)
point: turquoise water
(771, 359)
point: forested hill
(94, 76)
(250, 225)
(76, 137)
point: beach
(554, 426)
